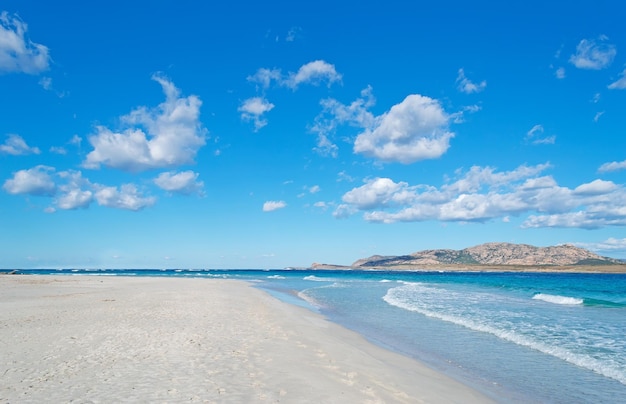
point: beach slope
(112, 339)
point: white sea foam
(275, 277)
(310, 300)
(317, 279)
(556, 299)
(438, 303)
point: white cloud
(18, 53)
(253, 108)
(343, 211)
(17, 146)
(596, 98)
(314, 73)
(580, 219)
(264, 77)
(334, 113)
(166, 136)
(620, 84)
(593, 54)
(75, 193)
(321, 205)
(270, 206)
(596, 187)
(35, 181)
(545, 140)
(535, 130)
(609, 245)
(76, 141)
(75, 198)
(185, 182)
(58, 150)
(379, 192)
(535, 136)
(459, 116)
(293, 33)
(343, 176)
(612, 166)
(560, 73)
(416, 129)
(483, 194)
(70, 190)
(468, 87)
(315, 189)
(46, 83)
(597, 116)
(126, 197)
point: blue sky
(180, 134)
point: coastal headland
(491, 257)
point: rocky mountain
(493, 254)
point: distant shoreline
(603, 269)
(564, 269)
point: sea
(516, 337)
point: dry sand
(131, 339)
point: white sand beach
(133, 339)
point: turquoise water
(557, 338)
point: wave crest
(556, 299)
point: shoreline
(549, 269)
(204, 340)
(565, 269)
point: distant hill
(492, 254)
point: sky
(187, 134)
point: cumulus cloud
(482, 194)
(185, 182)
(595, 187)
(415, 129)
(36, 181)
(620, 84)
(270, 206)
(126, 197)
(75, 193)
(166, 136)
(18, 54)
(74, 199)
(466, 86)
(315, 73)
(536, 136)
(16, 146)
(612, 166)
(379, 192)
(253, 109)
(69, 190)
(593, 54)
